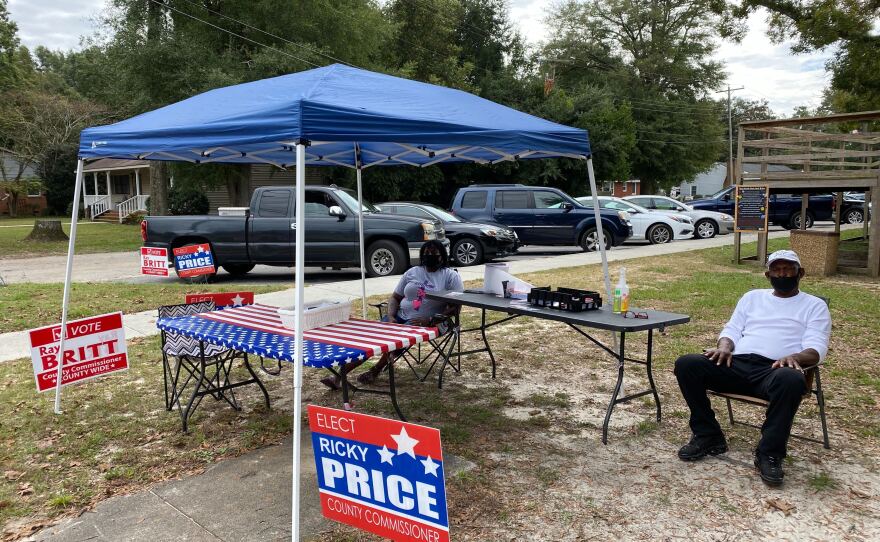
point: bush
(187, 200)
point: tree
(655, 58)
(818, 24)
(15, 63)
(57, 172)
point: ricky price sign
(93, 347)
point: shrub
(187, 200)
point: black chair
(814, 387)
(206, 367)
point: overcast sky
(768, 72)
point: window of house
(624, 187)
(34, 189)
(475, 199)
(512, 199)
(275, 203)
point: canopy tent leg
(361, 242)
(299, 221)
(599, 228)
(71, 245)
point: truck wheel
(795, 222)
(385, 258)
(467, 251)
(855, 216)
(705, 229)
(659, 234)
(238, 269)
(590, 241)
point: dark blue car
(540, 215)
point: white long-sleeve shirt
(775, 327)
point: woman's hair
(444, 257)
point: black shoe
(700, 447)
(770, 468)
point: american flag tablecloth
(257, 329)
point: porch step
(110, 216)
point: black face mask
(432, 260)
(784, 285)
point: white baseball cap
(788, 255)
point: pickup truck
(266, 233)
(540, 215)
(785, 209)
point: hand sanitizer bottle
(620, 303)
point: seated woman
(408, 304)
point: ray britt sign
(383, 476)
(93, 347)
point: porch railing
(97, 205)
(131, 205)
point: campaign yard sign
(154, 261)
(194, 260)
(383, 476)
(223, 299)
(93, 347)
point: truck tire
(590, 240)
(794, 222)
(467, 251)
(854, 216)
(238, 269)
(705, 229)
(385, 258)
(659, 234)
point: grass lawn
(533, 433)
(90, 237)
(29, 305)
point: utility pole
(730, 132)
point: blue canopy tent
(331, 116)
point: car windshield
(349, 197)
(619, 205)
(443, 215)
(720, 193)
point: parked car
(266, 234)
(854, 208)
(471, 243)
(540, 215)
(707, 224)
(648, 225)
(785, 209)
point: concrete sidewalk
(246, 498)
(16, 345)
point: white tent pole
(361, 242)
(71, 244)
(599, 229)
(299, 223)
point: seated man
(408, 304)
(762, 351)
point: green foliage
(57, 170)
(187, 200)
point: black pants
(749, 374)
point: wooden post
(96, 183)
(805, 201)
(838, 204)
(874, 239)
(109, 189)
(137, 181)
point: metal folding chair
(188, 362)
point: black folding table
(593, 319)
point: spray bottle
(620, 301)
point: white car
(707, 224)
(647, 225)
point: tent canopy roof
(336, 110)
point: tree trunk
(238, 185)
(47, 230)
(158, 188)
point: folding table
(257, 329)
(595, 319)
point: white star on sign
(405, 443)
(201, 248)
(430, 466)
(386, 455)
(237, 301)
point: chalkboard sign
(751, 208)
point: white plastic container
(317, 313)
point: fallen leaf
(783, 506)
(12, 475)
(25, 489)
(859, 493)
